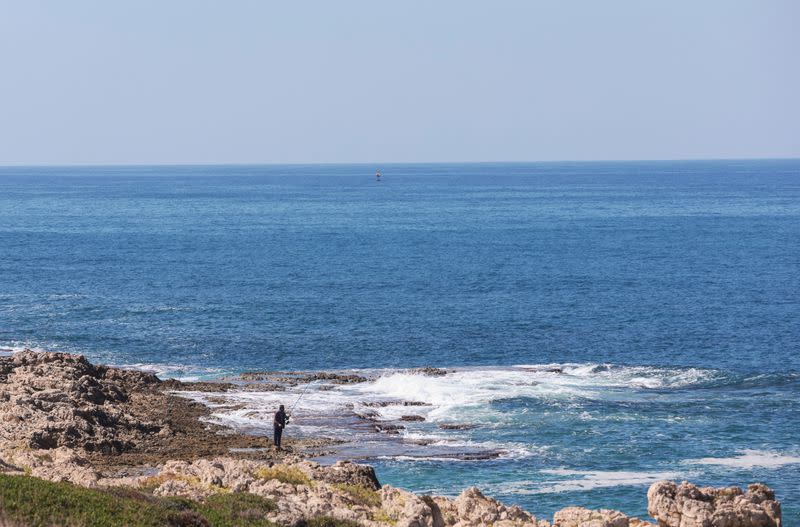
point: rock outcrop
(580, 517)
(65, 419)
(117, 416)
(50, 400)
(345, 491)
(687, 505)
(472, 508)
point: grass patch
(360, 495)
(37, 503)
(237, 508)
(382, 517)
(284, 474)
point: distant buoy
(378, 175)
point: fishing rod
(291, 410)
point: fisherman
(278, 424)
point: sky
(236, 81)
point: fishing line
(291, 410)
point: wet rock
(687, 505)
(412, 418)
(478, 456)
(429, 371)
(293, 378)
(336, 378)
(457, 426)
(369, 415)
(388, 428)
(197, 386)
(382, 404)
(544, 369)
(261, 387)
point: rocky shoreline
(65, 419)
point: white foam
(576, 480)
(749, 459)
(17, 347)
(462, 396)
(609, 375)
(181, 372)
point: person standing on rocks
(278, 424)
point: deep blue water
(668, 291)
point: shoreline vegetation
(85, 445)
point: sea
(601, 325)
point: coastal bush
(360, 495)
(284, 474)
(34, 502)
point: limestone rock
(346, 472)
(581, 517)
(687, 505)
(405, 509)
(472, 509)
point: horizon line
(379, 163)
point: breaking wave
(435, 414)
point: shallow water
(667, 293)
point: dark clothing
(278, 424)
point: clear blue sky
(376, 81)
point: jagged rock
(687, 505)
(346, 472)
(50, 400)
(581, 517)
(58, 464)
(405, 509)
(472, 509)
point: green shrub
(38, 503)
(237, 508)
(360, 495)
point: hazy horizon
(378, 164)
(251, 83)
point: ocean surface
(604, 325)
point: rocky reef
(64, 419)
